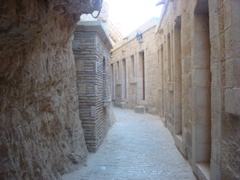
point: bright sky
(130, 14)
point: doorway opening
(178, 78)
(112, 82)
(201, 89)
(142, 75)
(124, 79)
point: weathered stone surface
(232, 101)
(40, 130)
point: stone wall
(175, 39)
(126, 59)
(192, 77)
(91, 49)
(224, 18)
(199, 53)
(40, 131)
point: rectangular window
(169, 58)
(124, 79)
(132, 67)
(118, 71)
(112, 81)
(141, 75)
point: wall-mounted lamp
(139, 36)
(97, 7)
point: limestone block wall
(185, 58)
(130, 71)
(40, 131)
(199, 83)
(168, 47)
(91, 50)
(225, 88)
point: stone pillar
(91, 49)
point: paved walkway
(138, 147)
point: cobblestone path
(138, 147)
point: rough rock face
(40, 130)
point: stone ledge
(139, 109)
(203, 171)
(123, 105)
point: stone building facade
(196, 76)
(134, 65)
(199, 47)
(91, 47)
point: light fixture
(97, 7)
(139, 35)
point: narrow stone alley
(138, 147)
